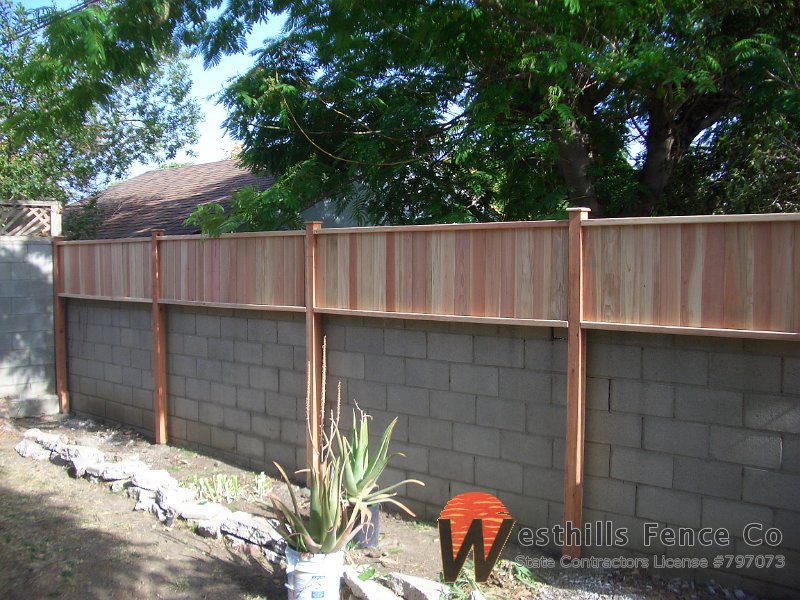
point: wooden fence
(711, 275)
(30, 218)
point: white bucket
(313, 576)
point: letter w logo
(473, 521)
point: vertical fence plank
(576, 383)
(159, 344)
(59, 327)
(316, 410)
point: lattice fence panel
(29, 219)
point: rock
(118, 486)
(253, 529)
(145, 499)
(206, 511)
(271, 555)
(476, 595)
(152, 480)
(46, 440)
(172, 499)
(740, 594)
(368, 589)
(28, 448)
(416, 588)
(68, 453)
(115, 471)
(79, 466)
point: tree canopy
(454, 110)
(83, 99)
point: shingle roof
(162, 199)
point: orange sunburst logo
(473, 521)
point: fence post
(316, 411)
(55, 219)
(59, 327)
(576, 385)
(159, 343)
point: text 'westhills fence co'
(735, 276)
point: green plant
(219, 488)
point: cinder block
(499, 351)
(386, 369)
(428, 374)
(209, 369)
(451, 347)
(124, 395)
(404, 342)
(131, 377)
(499, 474)
(368, 340)
(473, 379)
(211, 414)
(265, 378)
(184, 408)
(603, 494)
(473, 439)
(435, 491)
(235, 419)
(182, 365)
(415, 458)
(675, 437)
(790, 459)
(544, 483)
(618, 429)
(141, 318)
(642, 397)
(455, 466)
(291, 333)
(234, 328)
(223, 439)
(430, 432)
(791, 376)
(346, 364)
(778, 490)
(198, 389)
(198, 433)
(597, 393)
(131, 338)
(250, 445)
(207, 325)
(266, 427)
(220, 349)
(176, 429)
(708, 405)
(275, 355)
(613, 360)
(452, 406)
(745, 372)
(775, 413)
(408, 400)
(284, 407)
(787, 521)
(112, 373)
(293, 432)
(734, 515)
(252, 400)
(528, 386)
(502, 414)
(529, 512)
(546, 355)
(677, 366)
(597, 457)
(522, 448)
(293, 383)
(546, 419)
(707, 477)
(142, 359)
(368, 394)
(262, 331)
(247, 353)
(181, 322)
(668, 506)
(236, 374)
(745, 446)
(641, 466)
(223, 394)
(121, 318)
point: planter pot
(313, 576)
(367, 535)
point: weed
(218, 488)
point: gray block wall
(26, 317)
(696, 432)
(682, 431)
(110, 362)
(478, 407)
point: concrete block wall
(27, 366)
(478, 407)
(110, 362)
(236, 383)
(696, 432)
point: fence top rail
(694, 219)
(443, 227)
(98, 242)
(228, 236)
(28, 202)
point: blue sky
(214, 144)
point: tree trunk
(663, 151)
(573, 162)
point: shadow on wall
(27, 355)
(49, 550)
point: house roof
(162, 199)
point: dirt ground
(72, 539)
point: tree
(455, 110)
(71, 117)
